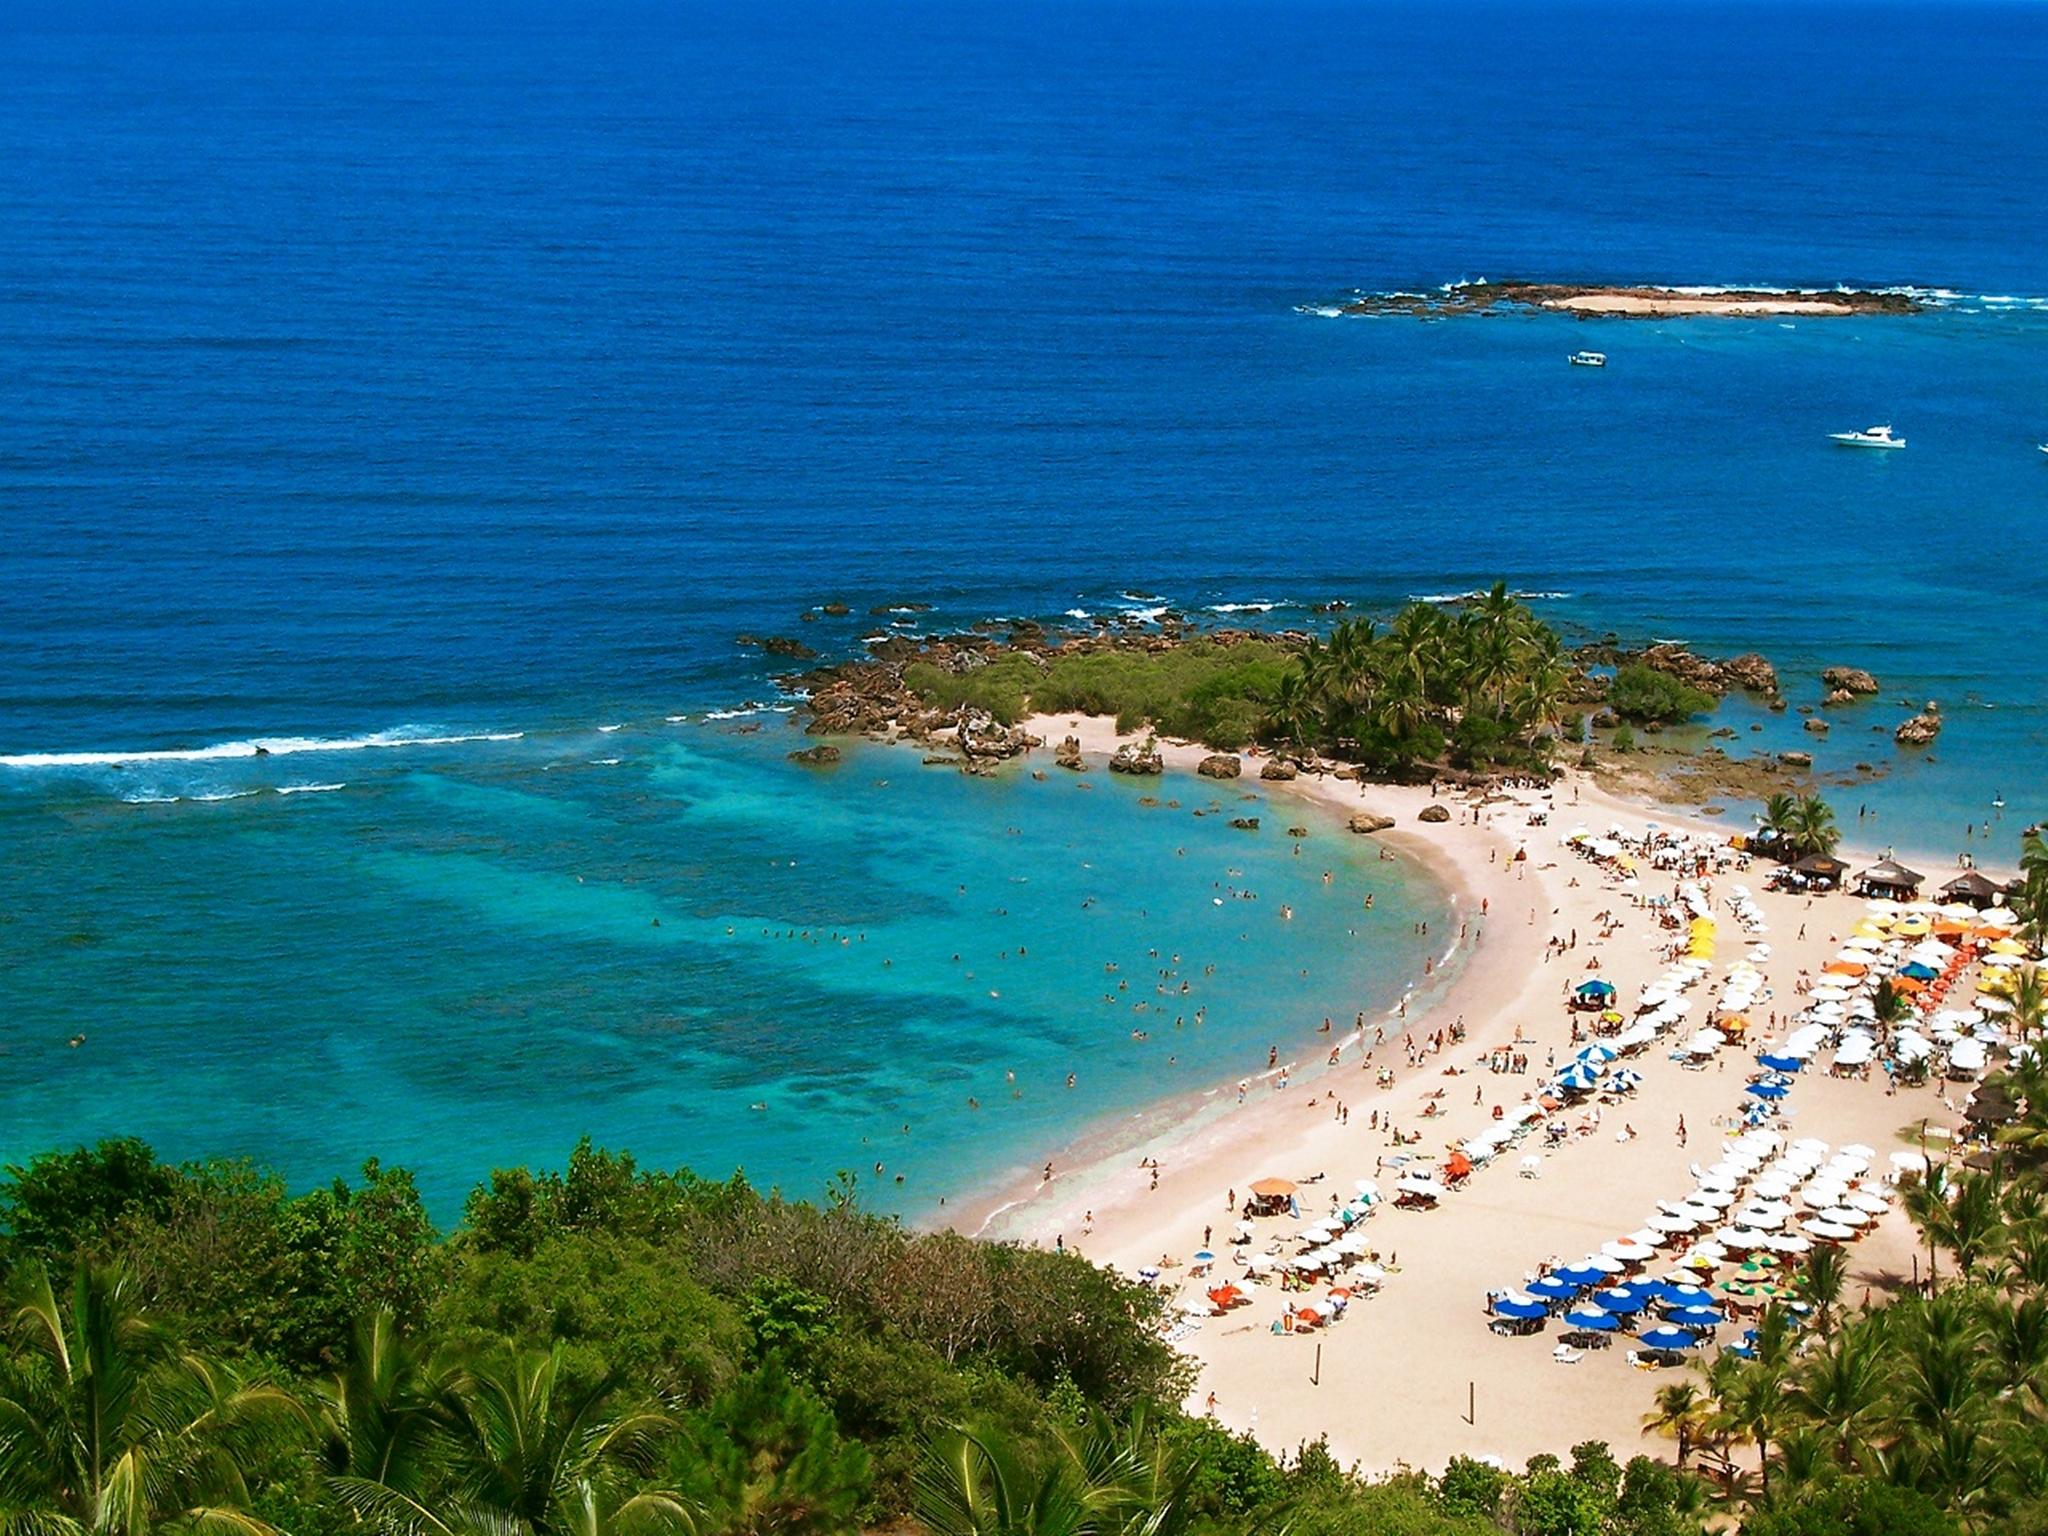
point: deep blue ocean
(377, 372)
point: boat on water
(1869, 437)
(1589, 359)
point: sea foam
(262, 746)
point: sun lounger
(1564, 1354)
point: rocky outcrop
(1846, 683)
(1749, 671)
(982, 738)
(1818, 727)
(1137, 759)
(1278, 770)
(1245, 823)
(1068, 755)
(777, 645)
(1367, 821)
(834, 610)
(1796, 759)
(1921, 729)
(1220, 765)
(1433, 813)
(816, 757)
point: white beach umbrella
(1832, 1231)
(1626, 1249)
(1868, 1200)
(1672, 1223)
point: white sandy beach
(1677, 304)
(1390, 1384)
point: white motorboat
(1589, 359)
(1869, 437)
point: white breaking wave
(608, 729)
(262, 746)
(1519, 595)
(309, 789)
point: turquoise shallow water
(647, 933)
(443, 369)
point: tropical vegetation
(1803, 824)
(610, 1351)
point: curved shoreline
(1100, 1164)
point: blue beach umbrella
(1739, 1351)
(1580, 1276)
(1597, 1054)
(1918, 971)
(1781, 1063)
(1553, 1289)
(1695, 1317)
(1591, 1320)
(1688, 1295)
(1771, 1091)
(1667, 1338)
(1578, 1076)
(1520, 1309)
(1596, 988)
(1619, 1300)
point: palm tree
(2029, 997)
(1927, 1205)
(1780, 812)
(1681, 1414)
(108, 1427)
(1812, 827)
(1841, 1390)
(1821, 1280)
(388, 1410)
(526, 1454)
(1101, 1481)
(1975, 1229)
(2015, 1344)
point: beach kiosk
(1891, 879)
(1972, 889)
(1820, 873)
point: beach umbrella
(1846, 1216)
(1622, 1301)
(1579, 1275)
(1667, 1338)
(1204, 1256)
(1857, 1149)
(1828, 1230)
(1591, 1321)
(1520, 1309)
(1550, 1288)
(1672, 1223)
(1868, 1200)
(1688, 1295)
(1607, 1264)
(1778, 1062)
(1770, 1091)
(1627, 1250)
(1696, 1317)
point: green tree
(62, 1202)
(106, 1426)
(1644, 696)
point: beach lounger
(1564, 1354)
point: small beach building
(1974, 889)
(1821, 872)
(1889, 878)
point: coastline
(1384, 1397)
(1018, 1207)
